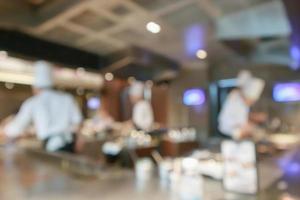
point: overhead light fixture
(153, 27)
(201, 54)
(109, 76)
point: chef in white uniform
(234, 118)
(54, 115)
(142, 114)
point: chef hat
(43, 75)
(254, 89)
(243, 78)
(137, 89)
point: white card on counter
(240, 167)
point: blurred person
(142, 113)
(54, 115)
(235, 119)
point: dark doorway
(218, 92)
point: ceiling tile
(186, 16)
(228, 6)
(155, 4)
(130, 35)
(92, 21)
(120, 10)
(63, 35)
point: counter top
(25, 177)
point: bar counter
(24, 176)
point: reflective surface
(25, 177)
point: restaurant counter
(24, 176)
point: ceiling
(107, 26)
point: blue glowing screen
(194, 97)
(286, 92)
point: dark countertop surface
(26, 177)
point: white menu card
(240, 167)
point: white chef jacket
(54, 114)
(143, 115)
(234, 115)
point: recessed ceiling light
(109, 76)
(153, 27)
(201, 54)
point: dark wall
(116, 101)
(160, 104)
(36, 48)
(180, 115)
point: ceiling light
(109, 76)
(153, 27)
(201, 54)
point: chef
(142, 114)
(234, 118)
(54, 115)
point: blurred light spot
(109, 76)
(286, 92)
(153, 27)
(194, 97)
(290, 166)
(201, 54)
(94, 103)
(295, 54)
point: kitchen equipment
(284, 141)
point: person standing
(235, 118)
(142, 114)
(55, 115)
